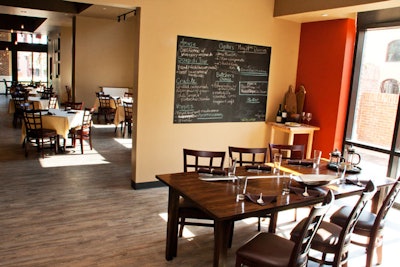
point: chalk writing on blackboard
(218, 81)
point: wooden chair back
(287, 151)
(195, 159)
(248, 156)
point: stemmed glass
(308, 117)
(303, 116)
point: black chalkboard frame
(220, 81)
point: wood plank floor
(79, 210)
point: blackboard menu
(217, 81)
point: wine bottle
(278, 118)
(284, 115)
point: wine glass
(308, 117)
(303, 117)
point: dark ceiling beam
(52, 5)
(13, 22)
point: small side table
(292, 130)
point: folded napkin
(300, 162)
(356, 182)
(258, 167)
(267, 199)
(312, 192)
(212, 171)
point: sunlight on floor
(186, 233)
(74, 158)
(126, 142)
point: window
(393, 51)
(32, 67)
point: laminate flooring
(79, 210)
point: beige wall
(103, 56)
(159, 141)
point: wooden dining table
(218, 199)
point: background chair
(6, 87)
(36, 134)
(106, 108)
(69, 93)
(74, 105)
(128, 117)
(270, 250)
(249, 156)
(333, 239)
(20, 105)
(369, 225)
(53, 102)
(287, 151)
(83, 132)
(193, 160)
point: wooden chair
(68, 89)
(270, 250)
(6, 88)
(20, 105)
(53, 102)
(36, 134)
(105, 108)
(249, 156)
(369, 225)
(128, 117)
(73, 105)
(128, 95)
(333, 239)
(47, 93)
(192, 161)
(287, 151)
(84, 131)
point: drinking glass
(308, 117)
(277, 162)
(317, 158)
(241, 184)
(303, 117)
(232, 168)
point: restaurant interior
(106, 200)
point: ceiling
(43, 16)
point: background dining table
(218, 199)
(37, 101)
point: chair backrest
(386, 206)
(87, 118)
(69, 93)
(246, 156)
(20, 104)
(302, 246)
(202, 159)
(53, 102)
(105, 101)
(287, 151)
(33, 121)
(348, 227)
(127, 110)
(128, 95)
(74, 105)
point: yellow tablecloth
(62, 121)
(37, 104)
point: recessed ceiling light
(324, 15)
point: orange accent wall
(324, 68)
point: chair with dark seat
(332, 239)
(36, 134)
(20, 105)
(249, 156)
(369, 225)
(270, 250)
(106, 108)
(47, 93)
(287, 151)
(84, 131)
(6, 88)
(192, 161)
(128, 117)
(73, 105)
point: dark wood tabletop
(218, 199)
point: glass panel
(24, 67)
(24, 37)
(39, 67)
(373, 163)
(5, 69)
(5, 36)
(377, 96)
(39, 38)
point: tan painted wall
(104, 56)
(159, 141)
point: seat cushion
(267, 249)
(325, 239)
(364, 224)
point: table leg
(172, 225)
(272, 222)
(222, 231)
(309, 144)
